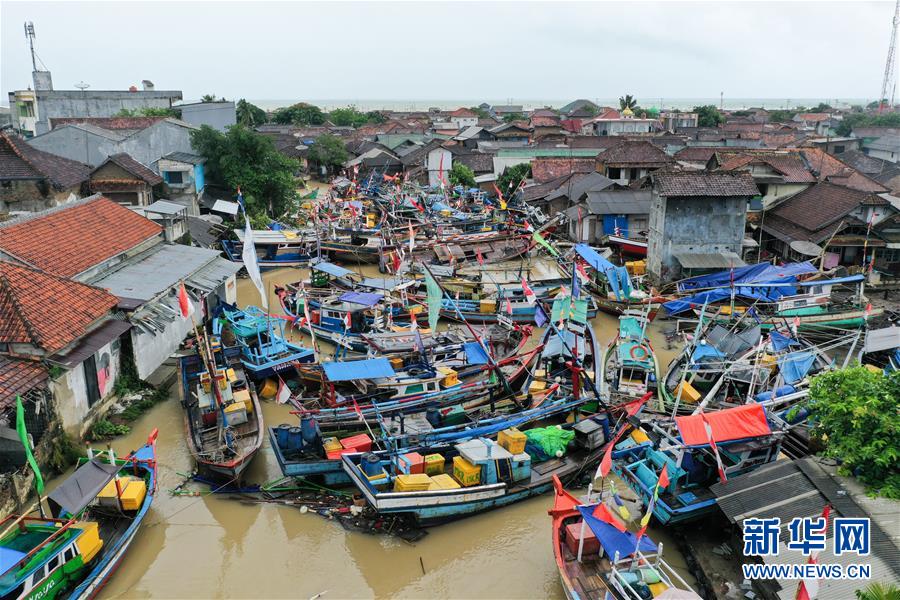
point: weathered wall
(218, 115)
(33, 196)
(150, 351)
(70, 391)
(75, 144)
(74, 103)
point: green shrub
(104, 429)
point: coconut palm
(628, 101)
(879, 591)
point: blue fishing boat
(744, 439)
(97, 513)
(630, 368)
(269, 352)
(245, 323)
(274, 248)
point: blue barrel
(371, 464)
(603, 420)
(281, 435)
(310, 430)
(295, 438)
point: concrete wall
(150, 351)
(692, 224)
(33, 196)
(218, 115)
(75, 103)
(75, 144)
(70, 391)
(436, 165)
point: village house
(463, 117)
(676, 121)
(471, 136)
(777, 174)
(601, 212)
(31, 179)
(811, 120)
(124, 180)
(697, 222)
(511, 134)
(98, 242)
(184, 179)
(880, 142)
(838, 221)
(581, 106)
(92, 140)
(631, 160)
(624, 123)
(882, 171)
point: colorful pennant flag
(537, 237)
(434, 300)
(529, 293)
(23, 435)
(184, 302)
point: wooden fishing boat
(612, 287)
(268, 353)
(599, 559)
(245, 323)
(97, 513)
(223, 418)
(274, 249)
(746, 437)
(635, 246)
(630, 368)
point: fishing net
(552, 440)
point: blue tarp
(9, 558)
(364, 298)
(618, 278)
(705, 351)
(331, 269)
(475, 354)
(358, 369)
(614, 541)
(673, 307)
(796, 365)
(781, 341)
(593, 258)
(751, 274)
(838, 281)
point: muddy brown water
(213, 547)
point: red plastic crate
(357, 443)
(412, 463)
(591, 543)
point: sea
(366, 104)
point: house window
(26, 109)
(614, 172)
(839, 149)
(173, 177)
(634, 174)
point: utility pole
(721, 101)
(889, 80)
(29, 35)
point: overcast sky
(420, 50)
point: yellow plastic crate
(133, 495)
(639, 436)
(465, 472)
(443, 482)
(488, 306)
(513, 440)
(450, 377)
(688, 392)
(89, 542)
(331, 443)
(244, 396)
(418, 482)
(434, 464)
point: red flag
(582, 271)
(396, 260)
(602, 513)
(508, 307)
(809, 588)
(868, 311)
(413, 323)
(529, 293)
(184, 302)
(357, 410)
(479, 257)
(348, 321)
(664, 477)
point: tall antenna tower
(890, 67)
(29, 35)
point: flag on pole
(808, 589)
(537, 237)
(579, 266)
(23, 435)
(479, 257)
(529, 293)
(715, 449)
(661, 482)
(184, 302)
(576, 285)
(348, 321)
(509, 309)
(540, 318)
(434, 301)
(606, 462)
(284, 393)
(413, 323)
(395, 258)
(248, 255)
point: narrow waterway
(214, 547)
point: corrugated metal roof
(163, 207)
(92, 342)
(212, 275)
(149, 274)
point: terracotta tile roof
(789, 165)
(542, 121)
(20, 160)
(546, 169)
(609, 113)
(71, 238)
(18, 376)
(698, 153)
(811, 213)
(113, 123)
(137, 169)
(464, 113)
(703, 183)
(814, 117)
(635, 153)
(828, 168)
(47, 311)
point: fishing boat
(612, 286)
(244, 323)
(222, 414)
(630, 368)
(635, 246)
(274, 248)
(268, 352)
(742, 438)
(599, 559)
(96, 515)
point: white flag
(248, 255)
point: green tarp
(552, 440)
(570, 310)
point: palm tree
(628, 101)
(879, 591)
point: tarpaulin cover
(372, 368)
(551, 439)
(475, 354)
(364, 298)
(838, 281)
(781, 341)
(331, 269)
(9, 558)
(703, 351)
(741, 422)
(614, 541)
(796, 365)
(569, 310)
(673, 307)
(760, 273)
(594, 259)
(82, 486)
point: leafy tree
(879, 590)
(627, 101)
(148, 111)
(741, 113)
(512, 176)
(462, 175)
(347, 117)
(249, 115)
(299, 114)
(875, 104)
(851, 121)
(328, 150)
(242, 157)
(208, 98)
(781, 116)
(482, 114)
(375, 116)
(855, 412)
(821, 108)
(510, 117)
(708, 116)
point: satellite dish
(82, 85)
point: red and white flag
(479, 257)
(582, 272)
(348, 321)
(712, 444)
(184, 302)
(413, 323)
(508, 307)
(606, 462)
(284, 393)
(809, 588)
(529, 293)
(868, 311)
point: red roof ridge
(6, 289)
